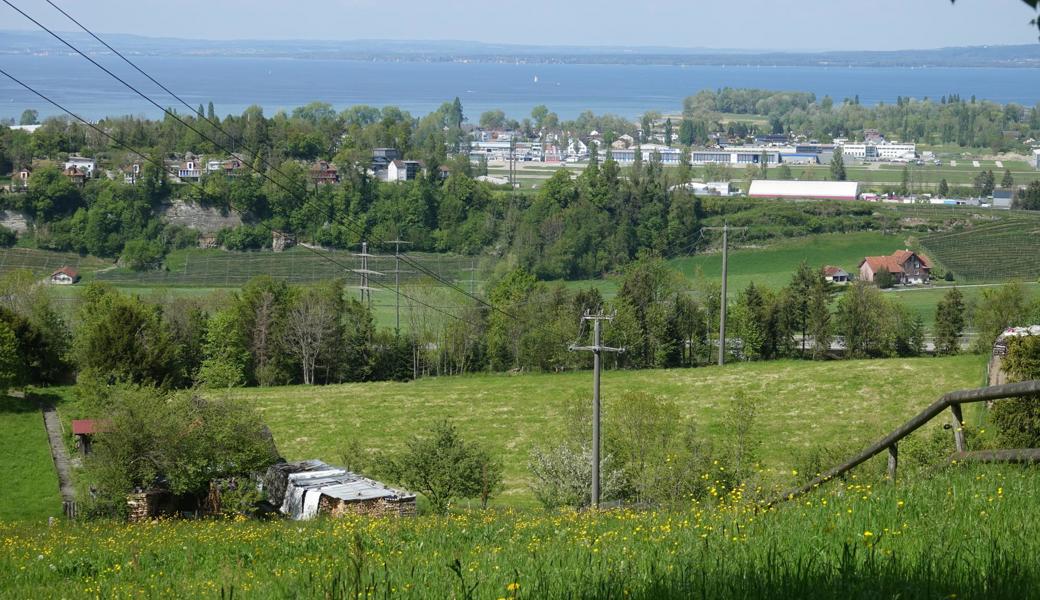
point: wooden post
(893, 462)
(958, 428)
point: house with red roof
(64, 276)
(906, 267)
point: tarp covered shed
(816, 190)
(305, 489)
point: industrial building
(816, 190)
(669, 155)
(878, 150)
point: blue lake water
(629, 90)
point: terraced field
(1008, 249)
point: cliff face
(15, 221)
(199, 218)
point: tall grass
(965, 532)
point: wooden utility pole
(725, 276)
(597, 350)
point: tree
(883, 278)
(1029, 199)
(226, 356)
(784, 173)
(121, 338)
(860, 320)
(904, 184)
(984, 184)
(29, 117)
(312, 329)
(949, 322)
(444, 467)
(10, 367)
(819, 324)
(668, 132)
(492, 119)
(1008, 181)
(838, 166)
(944, 188)
(997, 310)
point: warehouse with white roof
(815, 190)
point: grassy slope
(30, 486)
(801, 404)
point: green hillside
(802, 404)
(996, 251)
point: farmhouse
(905, 266)
(308, 488)
(836, 275)
(64, 276)
(814, 190)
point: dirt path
(61, 457)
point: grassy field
(961, 533)
(30, 488)
(801, 404)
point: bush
(1018, 419)
(883, 279)
(443, 467)
(142, 255)
(7, 237)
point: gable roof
(72, 273)
(831, 271)
(895, 262)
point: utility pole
(597, 350)
(397, 278)
(365, 272)
(725, 276)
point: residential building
(20, 181)
(190, 169)
(813, 190)
(835, 275)
(906, 267)
(75, 175)
(1036, 158)
(64, 276)
(382, 157)
(323, 173)
(402, 170)
(132, 173)
(85, 165)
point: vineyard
(998, 251)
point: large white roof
(771, 188)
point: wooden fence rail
(953, 401)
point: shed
(84, 431)
(64, 276)
(305, 489)
(836, 275)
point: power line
(159, 164)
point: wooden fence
(952, 401)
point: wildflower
(512, 587)
(868, 533)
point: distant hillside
(1021, 56)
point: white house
(402, 170)
(85, 165)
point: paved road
(58, 452)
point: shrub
(444, 467)
(7, 237)
(1018, 419)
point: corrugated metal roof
(307, 481)
(770, 188)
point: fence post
(958, 428)
(893, 462)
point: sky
(791, 25)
